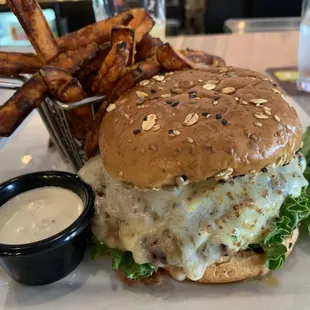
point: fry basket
(53, 115)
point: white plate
(95, 286)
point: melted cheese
(193, 226)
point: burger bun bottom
(244, 265)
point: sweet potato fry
(61, 84)
(32, 93)
(147, 47)
(36, 27)
(127, 35)
(90, 69)
(200, 58)
(68, 89)
(113, 68)
(17, 108)
(12, 63)
(135, 74)
(142, 22)
(172, 60)
(95, 33)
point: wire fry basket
(53, 115)
(57, 125)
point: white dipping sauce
(38, 214)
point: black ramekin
(51, 259)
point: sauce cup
(51, 259)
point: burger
(200, 173)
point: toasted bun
(160, 130)
(243, 265)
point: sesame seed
(159, 87)
(153, 91)
(200, 81)
(275, 90)
(175, 104)
(213, 81)
(144, 82)
(136, 131)
(209, 86)
(237, 98)
(176, 132)
(252, 171)
(228, 90)
(258, 124)
(121, 173)
(205, 113)
(258, 101)
(215, 102)
(218, 116)
(260, 115)
(224, 122)
(245, 102)
(159, 78)
(141, 94)
(156, 128)
(267, 112)
(190, 140)
(277, 118)
(165, 95)
(111, 107)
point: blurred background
(183, 17)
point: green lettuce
(122, 260)
(294, 212)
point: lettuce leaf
(294, 211)
(122, 260)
